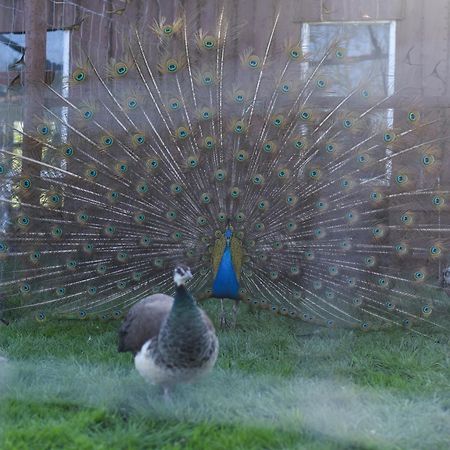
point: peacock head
(181, 274)
(229, 231)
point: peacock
(283, 167)
(173, 341)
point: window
(370, 46)
(12, 47)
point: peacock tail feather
(186, 127)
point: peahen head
(181, 274)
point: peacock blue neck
(226, 284)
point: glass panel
(11, 63)
(367, 52)
(367, 46)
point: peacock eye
(209, 42)
(438, 201)
(401, 179)
(413, 116)
(121, 69)
(340, 53)
(254, 61)
(79, 75)
(132, 103)
(208, 142)
(207, 79)
(305, 115)
(43, 129)
(107, 141)
(295, 53)
(172, 65)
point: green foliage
(278, 384)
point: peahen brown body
(172, 339)
(286, 172)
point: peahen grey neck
(184, 333)
(184, 313)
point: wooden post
(35, 60)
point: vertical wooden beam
(35, 60)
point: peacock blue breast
(226, 284)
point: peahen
(281, 166)
(172, 339)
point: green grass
(278, 384)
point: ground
(278, 384)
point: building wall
(422, 56)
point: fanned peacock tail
(321, 181)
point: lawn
(278, 384)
